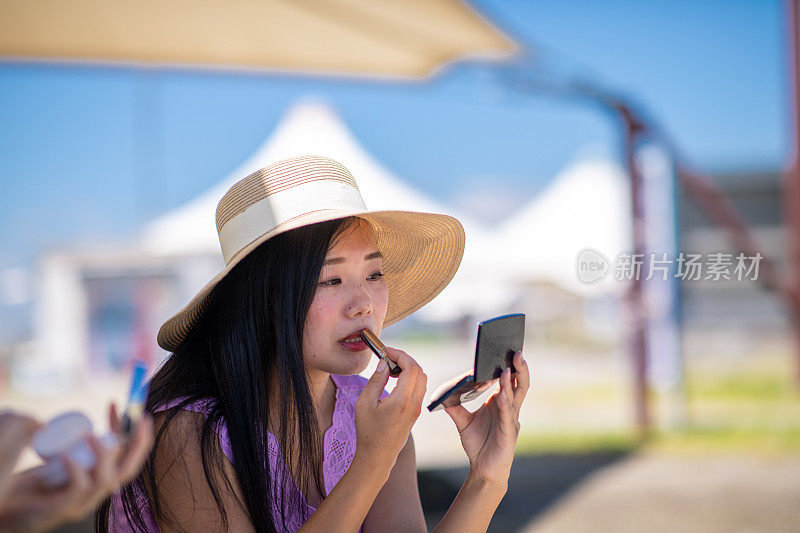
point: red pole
(635, 297)
(791, 185)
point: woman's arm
(474, 506)
(347, 504)
(383, 427)
(397, 506)
(489, 436)
(183, 489)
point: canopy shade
(381, 38)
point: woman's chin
(353, 365)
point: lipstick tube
(379, 349)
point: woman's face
(351, 295)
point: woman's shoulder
(187, 420)
(185, 476)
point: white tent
(587, 205)
(312, 127)
(306, 128)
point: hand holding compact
(32, 505)
(489, 435)
(16, 432)
(383, 424)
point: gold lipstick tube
(379, 349)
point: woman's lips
(357, 346)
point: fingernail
(382, 366)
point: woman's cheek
(325, 306)
(384, 298)
(320, 302)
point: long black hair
(245, 353)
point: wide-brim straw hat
(421, 251)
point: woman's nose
(360, 301)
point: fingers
(420, 387)
(85, 487)
(18, 422)
(522, 378)
(411, 385)
(16, 431)
(80, 483)
(507, 389)
(374, 387)
(407, 381)
(383, 426)
(460, 416)
(104, 473)
(114, 419)
(509, 425)
(137, 450)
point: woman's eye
(336, 281)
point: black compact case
(498, 339)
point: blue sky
(90, 153)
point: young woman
(263, 423)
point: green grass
(755, 412)
(533, 443)
(759, 441)
(430, 337)
(701, 440)
(744, 386)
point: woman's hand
(16, 432)
(489, 435)
(30, 506)
(383, 425)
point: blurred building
(732, 308)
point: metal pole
(635, 297)
(791, 185)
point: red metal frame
(791, 182)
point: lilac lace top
(339, 442)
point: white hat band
(281, 206)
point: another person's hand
(489, 435)
(16, 432)
(31, 506)
(383, 425)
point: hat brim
(421, 251)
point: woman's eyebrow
(334, 260)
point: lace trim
(339, 441)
